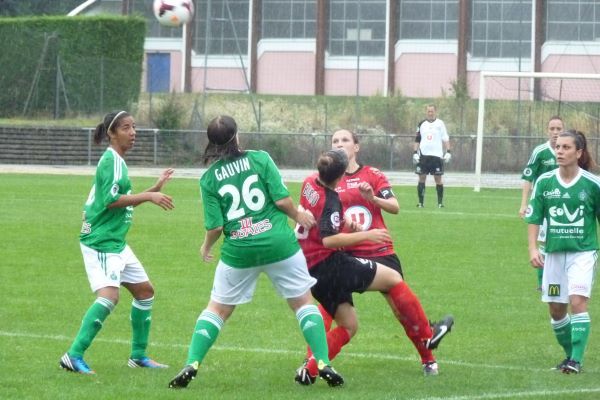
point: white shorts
(567, 274)
(110, 269)
(290, 278)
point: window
(577, 20)
(288, 19)
(344, 19)
(428, 19)
(501, 28)
(223, 30)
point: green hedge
(100, 58)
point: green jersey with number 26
(240, 196)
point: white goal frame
(481, 109)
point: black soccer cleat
(562, 364)
(331, 376)
(184, 377)
(571, 367)
(303, 376)
(439, 330)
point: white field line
(377, 356)
(482, 396)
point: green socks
(141, 320)
(562, 331)
(90, 326)
(580, 332)
(313, 329)
(205, 334)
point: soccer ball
(173, 12)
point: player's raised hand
(164, 177)
(162, 200)
(366, 191)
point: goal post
(552, 92)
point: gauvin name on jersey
(232, 168)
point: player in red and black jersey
(364, 192)
(340, 274)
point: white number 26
(253, 198)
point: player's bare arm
(299, 215)
(160, 199)
(535, 257)
(526, 192)
(212, 235)
(350, 239)
(164, 177)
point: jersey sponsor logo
(552, 194)
(553, 290)
(335, 220)
(248, 228)
(310, 194)
(232, 168)
(574, 218)
(527, 172)
(361, 215)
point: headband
(113, 120)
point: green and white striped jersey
(542, 160)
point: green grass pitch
(469, 259)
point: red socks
(336, 339)
(413, 318)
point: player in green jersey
(569, 199)
(542, 160)
(246, 201)
(109, 261)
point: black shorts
(391, 260)
(430, 165)
(338, 276)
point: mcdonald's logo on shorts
(554, 290)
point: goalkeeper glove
(416, 158)
(447, 157)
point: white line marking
(491, 396)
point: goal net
(514, 109)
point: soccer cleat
(303, 376)
(430, 369)
(571, 367)
(440, 205)
(439, 330)
(185, 376)
(330, 375)
(562, 364)
(145, 362)
(420, 205)
(75, 364)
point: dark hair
(552, 118)
(331, 165)
(111, 122)
(585, 161)
(221, 132)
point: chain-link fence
(501, 154)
